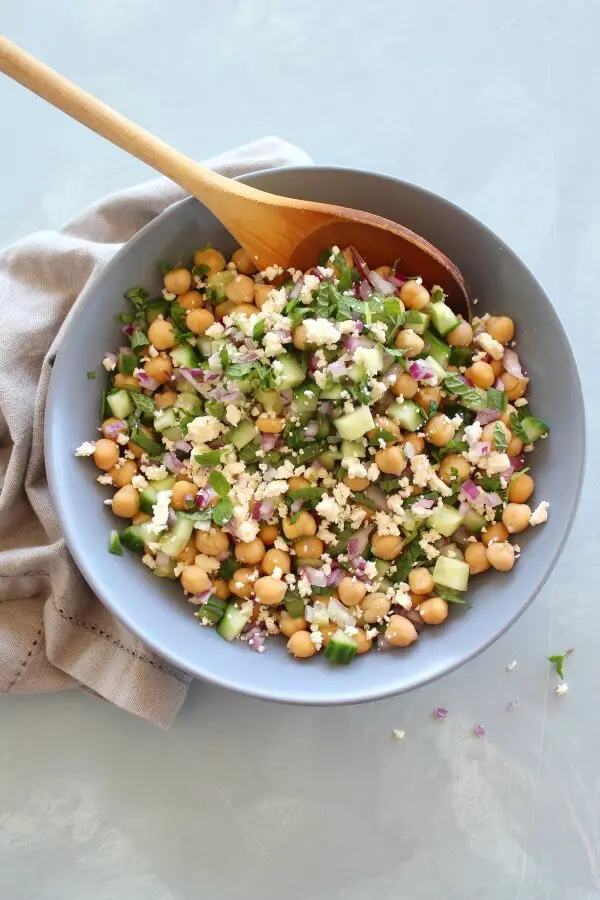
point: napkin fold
(54, 633)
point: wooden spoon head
(380, 242)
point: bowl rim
(327, 698)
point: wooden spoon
(273, 230)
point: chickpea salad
(330, 455)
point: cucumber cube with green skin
(149, 494)
(166, 571)
(417, 321)
(442, 318)
(353, 449)
(452, 573)
(437, 369)
(233, 622)
(292, 373)
(341, 648)
(189, 403)
(216, 284)
(355, 424)
(165, 418)
(408, 415)
(437, 348)
(242, 434)
(120, 403)
(185, 356)
(177, 537)
(333, 393)
(534, 428)
(445, 519)
(136, 537)
(114, 544)
(474, 521)
(305, 400)
(270, 400)
(205, 346)
(461, 356)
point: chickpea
(384, 271)
(191, 300)
(106, 454)
(501, 556)
(111, 423)
(375, 607)
(244, 309)
(459, 464)
(126, 381)
(276, 559)
(328, 632)
(382, 423)
(184, 495)
(188, 554)
(433, 611)
(268, 425)
(290, 626)
(214, 260)
(404, 386)
(304, 526)
(493, 533)
(475, 556)
(516, 517)
(221, 589)
(223, 309)
(515, 446)
(299, 339)
(420, 580)
(195, 580)
(123, 475)
(520, 488)
(140, 518)
(364, 643)
(296, 483)
(351, 591)
(300, 645)
(439, 431)
(416, 441)
(137, 451)
(481, 374)
(261, 294)
(126, 502)
(501, 328)
(309, 548)
(514, 387)
(401, 632)
(496, 367)
(213, 542)
(242, 582)
(268, 534)
(159, 367)
(199, 320)
(160, 333)
(165, 398)
(270, 591)
(408, 340)
(488, 435)
(356, 484)
(250, 552)
(178, 281)
(240, 290)
(391, 460)
(461, 336)
(425, 396)
(242, 262)
(414, 295)
(387, 546)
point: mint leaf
(500, 441)
(496, 399)
(451, 596)
(91, 376)
(559, 660)
(517, 429)
(258, 330)
(455, 386)
(222, 512)
(144, 404)
(136, 295)
(138, 339)
(209, 458)
(219, 484)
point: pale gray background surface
(485, 103)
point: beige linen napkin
(54, 633)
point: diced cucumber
(417, 321)
(213, 609)
(442, 318)
(127, 363)
(474, 521)
(437, 348)
(217, 283)
(120, 404)
(166, 571)
(135, 537)
(189, 403)
(205, 346)
(305, 401)
(270, 400)
(353, 425)
(165, 418)
(324, 428)
(148, 494)
(242, 434)
(372, 359)
(357, 372)
(408, 415)
(353, 449)
(534, 428)
(292, 374)
(185, 356)
(114, 543)
(341, 648)
(328, 461)
(461, 356)
(333, 393)
(445, 519)
(437, 369)
(382, 567)
(175, 433)
(233, 622)
(452, 573)
(177, 537)
(294, 606)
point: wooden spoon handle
(208, 186)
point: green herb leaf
(396, 354)
(262, 376)
(201, 270)
(412, 556)
(91, 376)
(496, 399)
(258, 331)
(309, 496)
(222, 512)
(361, 391)
(228, 568)
(388, 310)
(517, 429)
(325, 256)
(165, 267)
(142, 403)
(294, 518)
(178, 314)
(455, 386)
(125, 318)
(433, 408)
(224, 357)
(381, 434)
(437, 295)
(490, 483)
(219, 484)
(559, 660)
(451, 596)
(209, 457)
(499, 440)
(138, 339)
(137, 296)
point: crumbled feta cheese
(109, 364)
(207, 563)
(426, 544)
(160, 511)
(152, 351)
(149, 561)
(104, 479)
(122, 439)
(317, 639)
(203, 429)
(321, 332)
(247, 531)
(328, 537)
(233, 414)
(399, 735)
(357, 516)
(155, 473)
(561, 690)
(540, 515)
(341, 494)
(521, 401)
(215, 330)
(86, 449)
(497, 463)
(421, 468)
(473, 433)
(378, 389)
(139, 482)
(364, 356)
(272, 272)
(179, 568)
(489, 345)
(512, 665)
(354, 467)
(168, 296)
(379, 331)
(328, 509)
(385, 524)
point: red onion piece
(360, 263)
(358, 543)
(186, 373)
(470, 489)
(511, 363)
(479, 730)
(296, 507)
(268, 442)
(171, 518)
(425, 503)
(116, 428)
(380, 284)
(492, 499)
(286, 396)
(204, 496)
(482, 448)
(149, 384)
(351, 343)
(256, 639)
(334, 577)
(398, 280)
(184, 446)
(488, 415)
(296, 290)
(311, 429)
(162, 559)
(337, 369)
(441, 712)
(127, 329)
(262, 509)
(113, 356)
(172, 463)
(463, 508)
(316, 577)
(517, 463)
(375, 494)
(499, 384)
(325, 408)
(419, 370)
